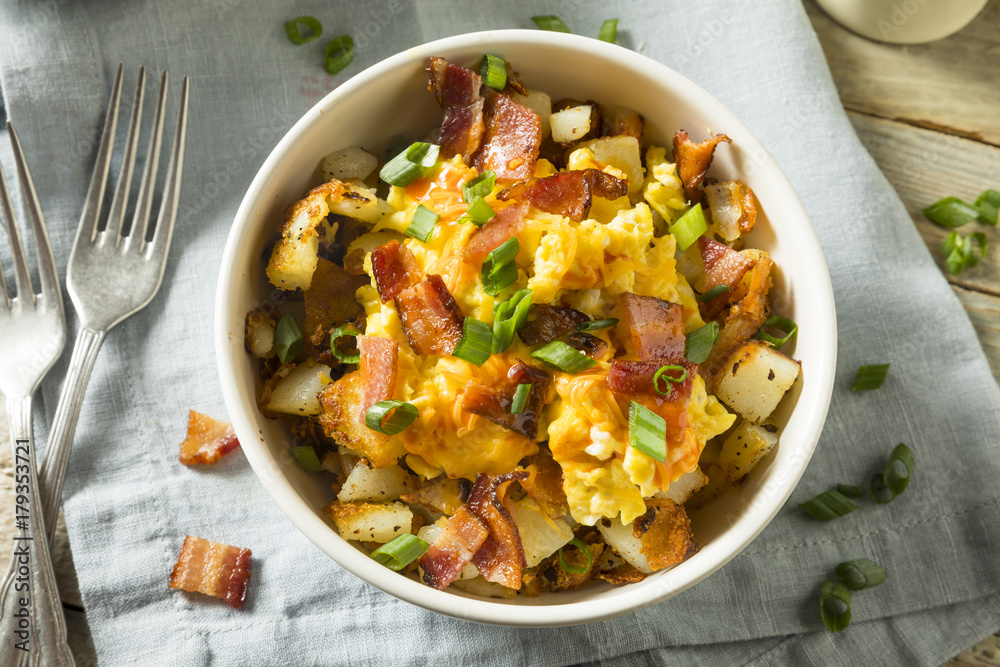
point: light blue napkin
(128, 503)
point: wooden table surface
(929, 115)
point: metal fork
(33, 331)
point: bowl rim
(625, 599)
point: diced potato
(665, 533)
(724, 203)
(755, 378)
(260, 335)
(745, 447)
(541, 535)
(370, 522)
(570, 124)
(348, 163)
(361, 247)
(360, 203)
(623, 154)
(622, 540)
(430, 532)
(341, 406)
(541, 104)
(331, 462)
(684, 486)
(442, 495)
(296, 393)
(487, 589)
(380, 484)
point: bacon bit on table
(568, 193)
(513, 135)
(214, 569)
(500, 559)
(393, 268)
(505, 224)
(546, 323)
(432, 320)
(693, 160)
(656, 326)
(379, 358)
(494, 402)
(458, 92)
(665, 533)
(207, 440)
(453, 548)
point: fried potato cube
(745, 447)
(621, 538)
(685, 486)
(297, 392)
(665, 534)
(370, 522)
(379, 484)
(622, 153)
(259, 339)
(541, 535)
(756, 378)
(341, 406)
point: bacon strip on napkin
(393, 268)
(568, 193)
(214, 569)
(494, 402)
(505, 224)
(458, 92)
(657, 326)
(453, 548)
(432, 320)
(379, 358)
(500, 559)
(207, 440)
(693, 160)
(513, 135)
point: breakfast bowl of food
(525, 328)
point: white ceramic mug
(903, 21)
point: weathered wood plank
(984, 311)
(949, 85)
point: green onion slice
(416, 161)
(671, 380)
(712, 293)
(828, 505)
(958, 251)
(849, 490)
(479, 187)
(782, 324)
(499, 269)
(572, 569)
(400, 551)
(860, 573)
(898, 469)
(306, 457)
(390, 417)
(338, 54)
(476, 342)
(593, 325)
(608, 30)
(647, 431)
(520, 398)
(422, 224)
(951, 212)
(287, 338)
(493, 70)
(563, 357)
(295, 36)
(834, 605)
(880, 491)
(700, 342)
(988, 204)
(508, 317)
(344, 331)
(689, 227)
(553, 23)
(870, 377)
(478, 213)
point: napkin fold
(129, 504)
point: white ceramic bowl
(391, 98)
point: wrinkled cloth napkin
(129, 504)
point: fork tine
(99, 179)
(140, 220)
(160, 242)
(116, 215)
(47, 273)
(22, 279)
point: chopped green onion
(553, 23)
(306, 457)
(338, 54)
(700, 342)
(572, 569)
(898, 469)
(390, 417)
(958, 253)
(292, 29)
(344, 331)
(593, 325)
(870, 377)
(563, 357)
(479, 213)
(828, 505)
(416, 161)
(499, 269)
(520, 398)
(834, 605)
(689, 227)
(951, 212)
(493, 70)
(476, 341)
(422, 224)
(714, 292)
(880, 493)
(782, 324)
(400, 551)
(479, 187)
(287, 338)
(860, 573)
(508, 317)
(647, 431)
(849, 490)
(988, 204)
(608, 30)
(662, 373)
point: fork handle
(53, 467)
(30, 608)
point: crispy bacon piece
(393, 268)
(453, 548)
(623, 574)
(207, 440)
(432, 320)
(656, 326)
(723, 266)
(506, 223)
(693, 160)
(546, 323)
(379, 358)
(624, 122)
(633, 380)
(214, 569)
(458, 91)
(544, 483)
(513, 135)
(500, 559)
(494, 402)
(568, 193)
(665, 533)
(587, 343)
